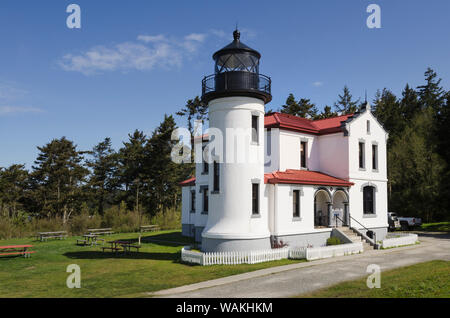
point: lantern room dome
(236, 73)
(236, 56)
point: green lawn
(157, 266)
(435, 227)
(426, 280)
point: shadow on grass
(175, 257)
(165, 239)
(437, 235)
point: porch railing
(371, 240)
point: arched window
(369, 200)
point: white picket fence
(233, 258)
(298, 252)
(400, 239)
(333, 251)
(254, 257)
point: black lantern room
(236, 73)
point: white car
(407, 223)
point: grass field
(435, 227)
(157, 266)
(424, 280)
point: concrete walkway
(296, 279)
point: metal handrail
(209, 83)
(374, 234)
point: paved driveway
(295, 279)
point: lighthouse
(236, 95)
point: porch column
(346, 214)
(329, 214)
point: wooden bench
(145, 228)
(43, 236)
(81, 242)
(113, 249)
(127, 247)
(104, 231)
(16, 250)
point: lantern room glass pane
(237, 62)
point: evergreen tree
(195, 109)
(131, 159)
(164, 175)
(386, 109)
(58, 175)
(346, 104)
(414, 170)
(409, 104)
(103, 181)
(431, 94)
(13, 184)
(303, 108)
(326, 113)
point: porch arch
(322, 207)
(340, 206)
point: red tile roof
(188, 182)
(292, 176)
(295, 123)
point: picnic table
(145, 228)
(103, 231)
(16, 250)
(42, 236)
(125, 245)
(89, 239)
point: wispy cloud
(9, 91)
(11, 99)
(317, 84)
(144, 54)
(9, 110)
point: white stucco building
(315, 175)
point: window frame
(205, 164)
(296, 203)
(374, 157)
(255, 130)
(205, 200)
(365, 201)
(216, 177)
(255, 201)
(362, 155)
(303, 154)
(192, 201)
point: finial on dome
(236, 35)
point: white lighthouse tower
(236, 95)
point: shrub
(168, 220)
(333, 241)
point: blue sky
(133, 61)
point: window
(374, 157)
(205, 200)
(255, 198)
(205, 163)
(303, 154)
(255, 128)
(193, 201)
(361, 155)
(368, 126)
(216, 176)
(296, 203)
(368, 198)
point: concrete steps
(355, 238)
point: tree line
(65, 180)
